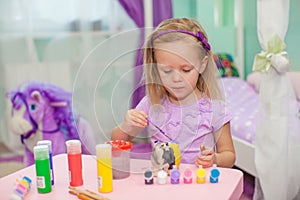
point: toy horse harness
(32, 121)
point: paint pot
(120, 158)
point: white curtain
(56, 41)
(277, 141)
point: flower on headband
(201, 37)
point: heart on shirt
(158, 115)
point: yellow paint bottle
(201, 175)
(104, 168)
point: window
(60, 16)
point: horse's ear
(36, 95)
(58, 104)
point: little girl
(183, 98)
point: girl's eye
(32, 107)
(167, 71)
(187, 70)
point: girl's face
(179, 64)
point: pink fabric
(188, 125)
(230, 185)
(254, 80)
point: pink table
(230, 184)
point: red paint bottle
(74, 162)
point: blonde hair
(207, 82)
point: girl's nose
(176, 76)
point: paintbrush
(80, 196)
(87, 193)
(160, 130)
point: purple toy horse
(42, 111)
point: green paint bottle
(42, 166)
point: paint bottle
(175, 175)
(42, 166)
(162, 176)
(148, 176)
(187, 176)
(104, 167)
(201, 175)
(214, 174)
(49, 144)
(74, 162)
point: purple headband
(199, 35)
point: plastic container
(214, 174)
(42, 166)
(104, 168)
(201, 175)
(120, 158)
(49, 144)
(187, 176)
(175, 175)
(74, 162)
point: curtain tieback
(275, 57)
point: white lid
(73, 146)
(46, 142)
(162, 174)
(103, 150)
(41, 152)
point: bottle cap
(162, 177)
(27, 179)
(103, 150)
(120, 145)
(175, 174)
(46, 142)
(41, 152)
(162, 174)
(201, 172)
(73, 146)
(187, 173)
(148, 174)
(215, 173)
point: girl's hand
(134, 118)
(206, 158)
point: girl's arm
(135, 121)
(225, 155)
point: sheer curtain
(278, 133)
(53, 41)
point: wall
(223, 39)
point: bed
(243, 101)
(243, 98)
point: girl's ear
(36, 95)
(203, 64)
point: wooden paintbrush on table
(86, 194)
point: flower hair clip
(199, 35)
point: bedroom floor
(10, 165)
